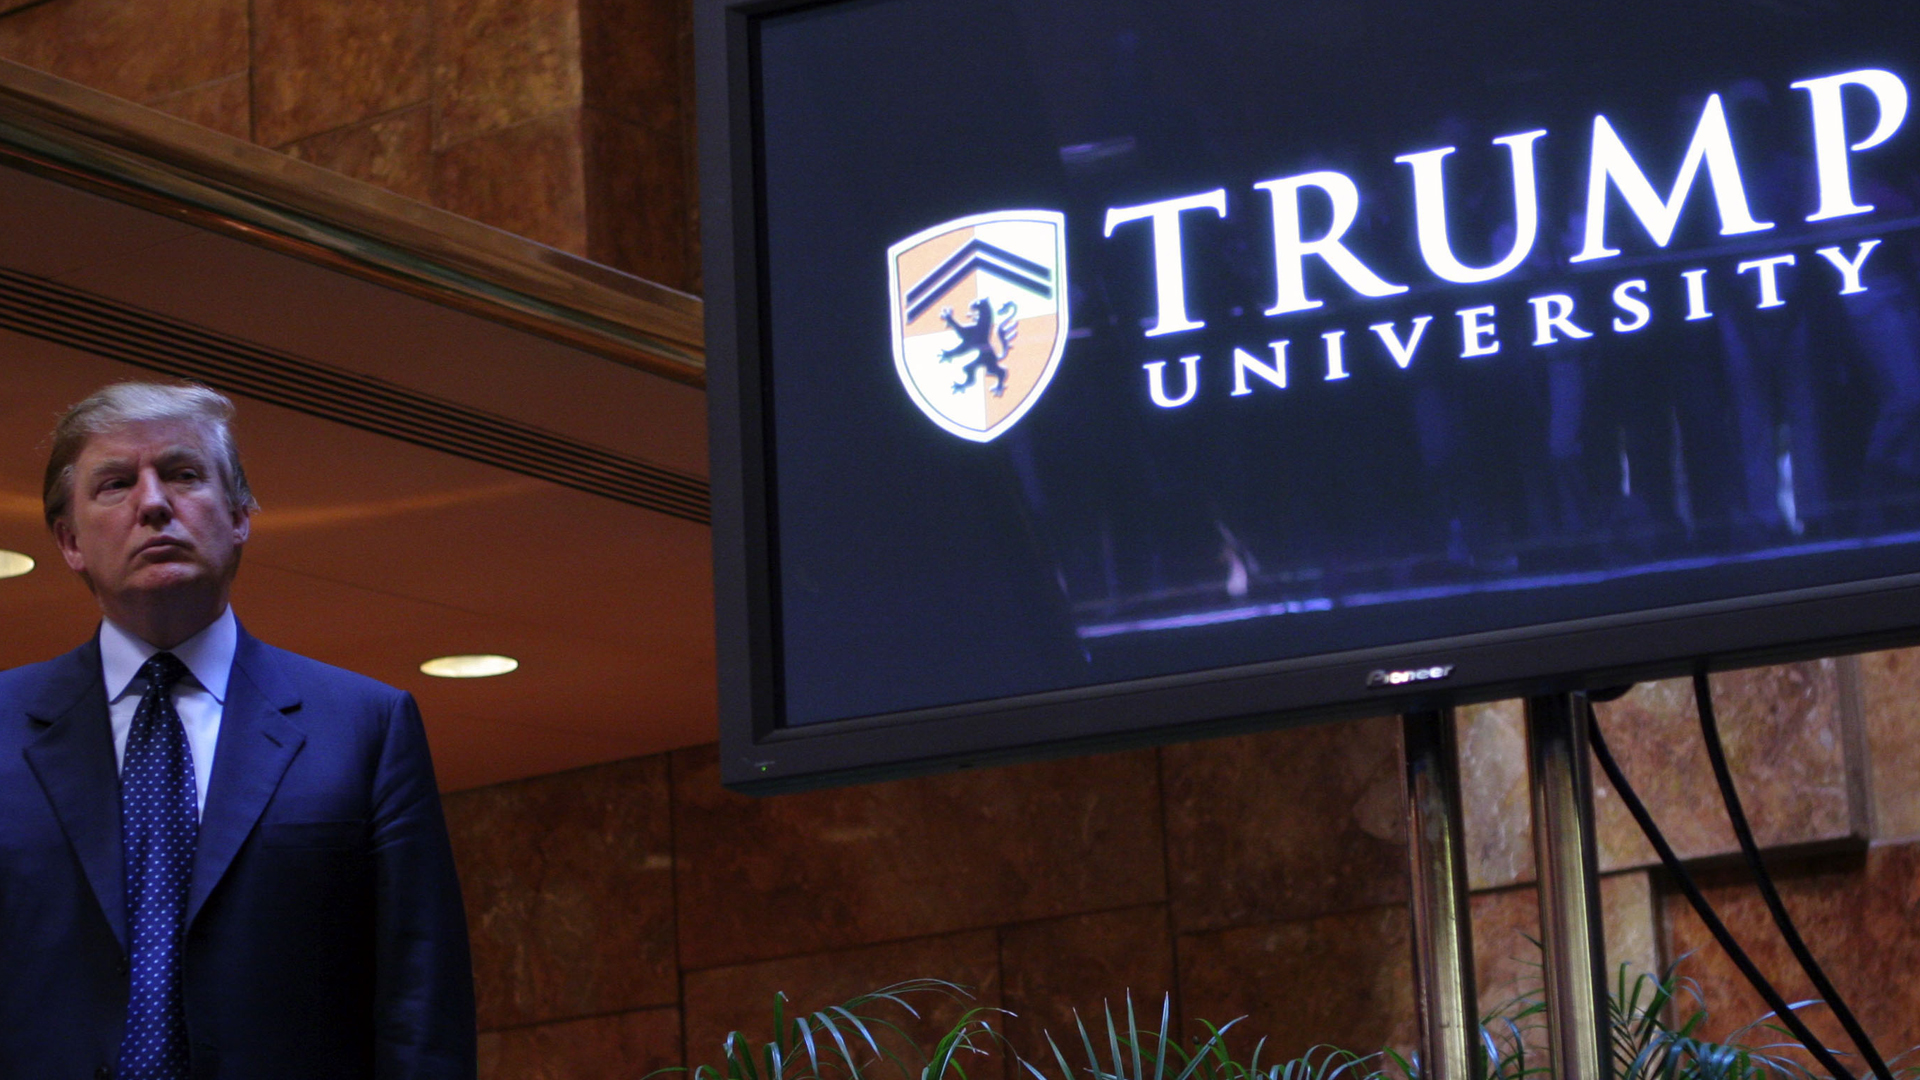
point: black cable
(1700, 906)
(1710, 732)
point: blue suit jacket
(325, 934)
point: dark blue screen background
(1104, 538)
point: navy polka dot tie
(159, 822)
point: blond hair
(132, 403)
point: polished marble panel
(1083, 964)
(136, 49)
(740, 997)
(623, 1046)
(638, 200)
(500, 63)
(1343, 979)
(569, 894)
(1890, 704)
(225, 105)
(1860, 919)
(1285, 824)
(323, 64)
(394, 151)
(1506, 938)
(1494, 794)
(528, 179)
(1786, 742)
(1347, 979)
(822, 870)
(637, 59)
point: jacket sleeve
(423, 983)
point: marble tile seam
(245, 72)
(364, 121)
(576, 772)
(669, 777)
(1167, 884)
(1486, 894)
(574, 111)
(1112, 909)
(1202, 929)
(499, 1029)
(1845, 845)
(1856, 744)
(316, 66)
(908, 939)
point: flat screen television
(1086, 372)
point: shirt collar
(207, 654)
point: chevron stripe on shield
(980, 317)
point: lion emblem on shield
(978, 339)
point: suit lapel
(74, 762)
(256, 744)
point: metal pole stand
(1567, 860)
(1442, 923)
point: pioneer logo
(1380, 677)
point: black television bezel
(757, 756)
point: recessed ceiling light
(13, 564)
(477, 666)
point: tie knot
(163, 670)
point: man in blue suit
(217, 858)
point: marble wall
(569, 122)
(631, 915)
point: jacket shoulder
(310, 678)
(33, 684)
(27, 677)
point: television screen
(1091, 368)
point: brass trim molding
(104, 327)
(91, 140)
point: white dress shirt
(199, 698)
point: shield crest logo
(980, 317)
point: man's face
(149, 517)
